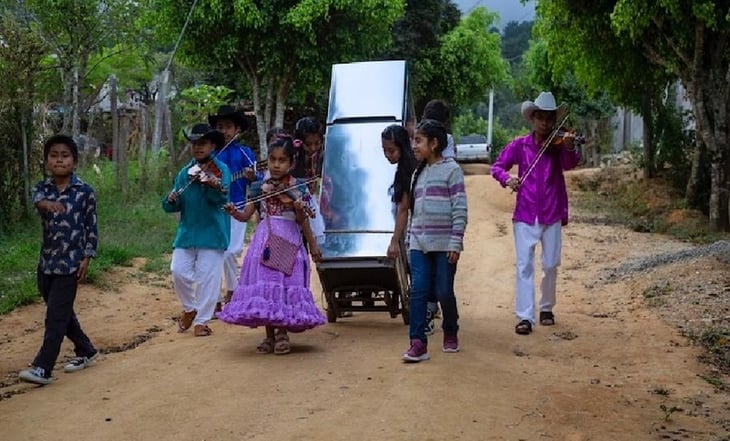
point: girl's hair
(286, 143)
(406, 162)
(61, 139)
(431, 129)
(305, 126)
(273, 132)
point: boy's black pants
(59, 293)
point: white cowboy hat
(546, 102)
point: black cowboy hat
(204, 131)
(229, 112)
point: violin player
(200, 189)
(541, 208)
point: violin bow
(206, 165)
(543, 148)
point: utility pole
(491, 117)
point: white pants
(231, 255)
(526, 238)
(196, 278)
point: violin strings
(280, 191)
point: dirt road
(609, 370)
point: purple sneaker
(417, 352)
(451, 343)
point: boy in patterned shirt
(67, 207)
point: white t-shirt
(450, 150)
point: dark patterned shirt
(70, 236)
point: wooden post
(122, 157)
(143, 144)
(115, 125)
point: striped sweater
(439, 212)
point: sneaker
(430, 327)
(430, 322)
(433, 308)
(417, 352)
(78, 363)
(36, 375)
(451, 343)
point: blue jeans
(432, 273)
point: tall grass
(130, 225)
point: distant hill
(508, 10)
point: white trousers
(526, 239)
(196, 278)
(231, 255)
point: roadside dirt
(611, 369)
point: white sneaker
(36, 375)
(78, 363)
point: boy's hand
(172, 197)
(54, 207)
(250, 174)
(453, 256)
(513, 183)
(83, 268)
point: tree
(687, 39)
(76, 30)
(278, 45)
(470, 61)
(417, 38)
(609, 65)
(19, 66)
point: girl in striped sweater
(438, 221)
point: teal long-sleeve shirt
(203, 223)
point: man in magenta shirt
(542, 205)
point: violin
(562, 135)
(207, 174)
(289, 197)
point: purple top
(542, 197)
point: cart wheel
(391, 299)
(406, 314)
(331, 315)
(331, 310)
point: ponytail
(416, 174)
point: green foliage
(467, 124)
(279, 45)
(196, 103)
(470, 61)
(416, 38)
(19, 66)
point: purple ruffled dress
(267, 297)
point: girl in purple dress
(273, 290)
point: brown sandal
(266, 346)
(202, 331)
(186, 320)
(282, 345)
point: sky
(508, 10)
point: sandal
(202, 331)
(266, 346)
(547, 318)
(186, 320)
(524, 327)
(282, 345)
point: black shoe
(524, 327)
